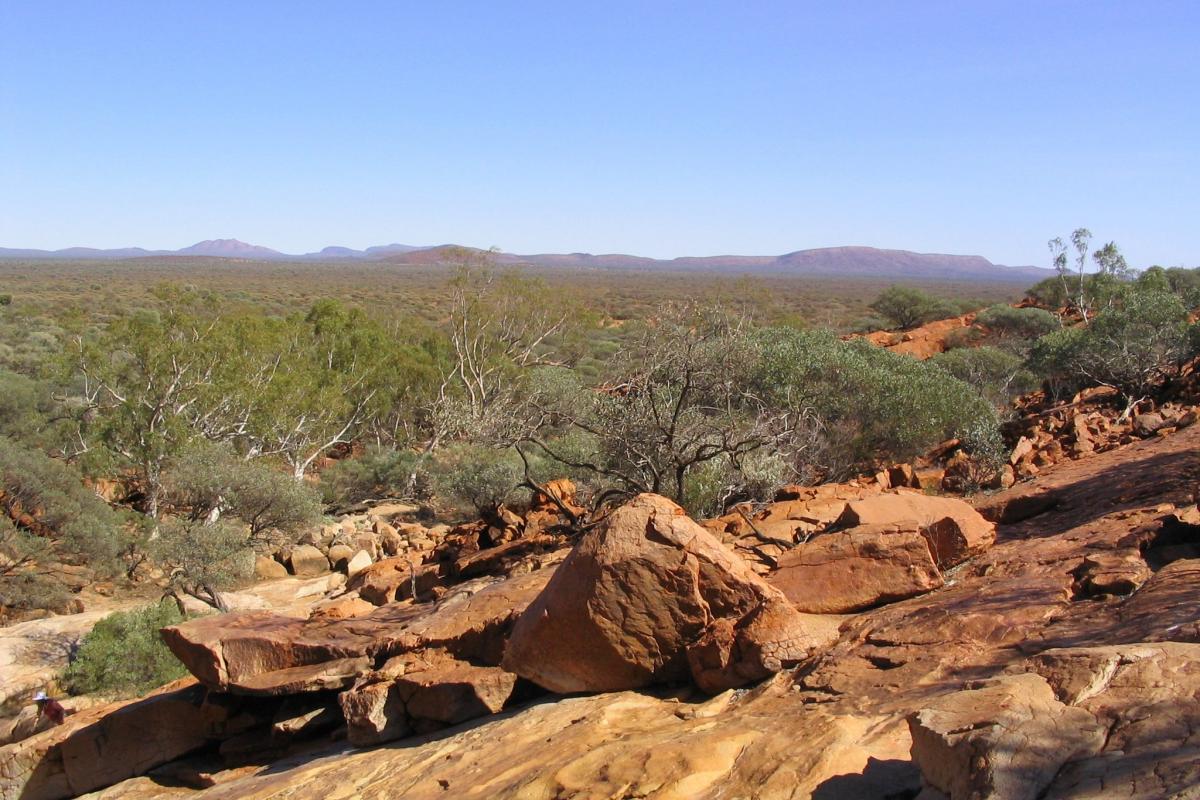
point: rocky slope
(1054, 656)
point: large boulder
(268, 569)
(625, 605)
(866, 567)
(231, 651)
(954, 530)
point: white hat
(39, 697)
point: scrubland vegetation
(227, 413)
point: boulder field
(849, 641)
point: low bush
(1133, 347)
(81, 525)
(1016, 328)
(209, 477)
(908, 307)
(378, 472)
(869, 403)
(476, 477)
(124, 655)
(996, 374)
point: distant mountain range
(826, 261)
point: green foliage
(290, 388)
(124, 655)
(996, 374)
(25, 404)
(908, 307)
(987, 455)
(869, 324)
(1133, 346)
(208, 479)
(1016, 328)
(1185, 283)
(1050, 293)
(959, 338)
(1057, 357)
(203, 558)
(714, 486)
(27, 582)
(1155, 279)
(679, 398)
(378, 472)
(5, 299)
(477, 477)
(51, 492)
(868, 403)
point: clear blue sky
(655, 128)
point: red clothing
(52, 710)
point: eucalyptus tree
(148, 376)
(501, 325)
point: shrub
(124, 655)
(209, 477)
(80, 525)
(868, 324)
(1016, 328)
(714, 486)
(26, 580)
(1050, 293)
(909, 307)
(378, 472)
(1056, 357)
(996, 374)
(869, 403)
(959, 338)
(1133, 346)
(986, 455)
(1185, 283)
(481, 478)
(203, 558)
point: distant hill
(825, 262)
(229, 248)
(866, 262)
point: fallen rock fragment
(1117, 572)
(306, 561)
(771, 638)
(1005, 740)
(862, 568)
(954, 530)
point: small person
(49, 708)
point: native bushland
(225, 421)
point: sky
(657, 128)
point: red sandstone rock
(391, 580)
(622, 609)
(1006, 739)
(954, 530)
(306, 561)
(865, 567)
(770, 638)
(421, 693)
